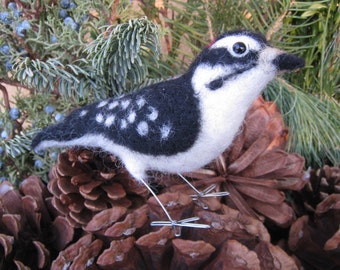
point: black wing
(162, 119)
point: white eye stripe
(229, 41)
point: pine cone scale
(261, 193)
(6, 242)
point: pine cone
(323, 182)
(93, 192)
(161, 250)
(29, 234)
(315, 240)
(315, 237)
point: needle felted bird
(181, 124)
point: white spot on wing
(140, 102)
(124, 104)
(102, 103)
(109, 120)
(131, 117)
(113, 104)
(165, 130)
(153, 113)
(123, 124)
(142, 128)
(83, 113)
(99, 118)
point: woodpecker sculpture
(180, 124)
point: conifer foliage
(66, 54)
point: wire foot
(206, 193)
(176, 224)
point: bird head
(239, 61)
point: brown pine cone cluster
(323, 182)
(31, 232)
(93, 191)
(93, 215)
(315, 239)
(315, 236)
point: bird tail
(52, 136)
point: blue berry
(21, 32)
(1, 150)
(63, 13)
(72, 5)
(14, 113)
(54, 156)
(12, 6)
(68, 21)
(65, 3)
(59, 117)
(5, 49)
(22, 28)
(8, 65)
(5, 17)
(1, 164)
(38, 164)
(26, 24)
(49, 109)
(4, 135)
(54, 39)
(40, 152)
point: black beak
(288, 61)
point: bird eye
(239, 49)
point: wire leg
(205, 193)
(176, 225)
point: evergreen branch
(313, 122)
(20, 144)
(52, 76)
(117, 55)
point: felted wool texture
(181, 124)
(162, 119)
